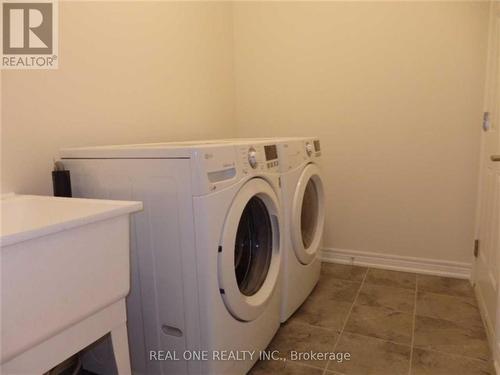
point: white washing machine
(206, 255)
(304, 215)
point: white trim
(398, 262)
(490, 329)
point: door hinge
(486, 121)
(476, 248)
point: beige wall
(128, 72)
(394, 90)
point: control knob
(309, 148)
(252, 157)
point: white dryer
(304, 215)
(206, 255)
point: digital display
(317, 146)
(271, 152)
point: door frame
(491, 95)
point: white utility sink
(64, 276)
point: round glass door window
(309, 214)
(253, 247)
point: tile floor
(390, 322)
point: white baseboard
(398, 263)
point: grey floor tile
(324, 313)
(283, 367)
(303, 338)
(449, 337)
(455, 309)
(445, 285)
(381, 322)
(343, 271)
(399, 299)
(433, 363)
(371, 356)
(391, 278)
(335, 290)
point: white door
(487, 264)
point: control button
(309, 148)
(252, 157)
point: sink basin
(62, 260)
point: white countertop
(24, 217)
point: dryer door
(249, 256)
(308, 214)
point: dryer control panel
(292, 154)
(313, 148)
(295, 152)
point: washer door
(308, 214)
(249, 256)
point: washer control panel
(259, 157)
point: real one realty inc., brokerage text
(244, 355)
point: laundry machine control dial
(309, 148)
(252, 157)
